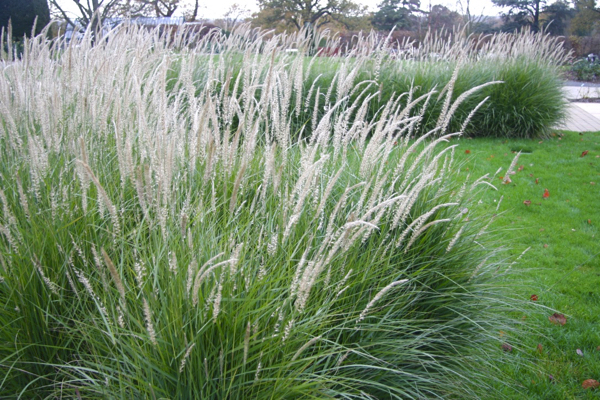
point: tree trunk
(195, 13)
(536, 17)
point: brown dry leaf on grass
(527, 202)
(558, 319)
(590, 384)
(507, 347)
(584, 153)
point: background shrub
(585, 70)
(22, 15)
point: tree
(586, 19)
(147, 8)
(233, 16)
(396, 13)
(356, 18)
(522, 13)
(476, 23)
(556, 16)
(302, 13)
(92, 13)
(22, 15)
(439, 17)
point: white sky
(216, 8)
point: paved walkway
(583, 117)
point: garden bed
(182, 225)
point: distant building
(110, 23)
(157, 21)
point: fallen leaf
(589, 221)
(506, 180)
(542, 229)
(592, 183)
(584, 153)
(579, 352)
(540, 349)
(467, 151)
(558, 319)
(527, 202)
(534, 297)
(598, 348)
(520, 168)
(545, 245)
(506, 347)
(590, 384)
(531, 175)
(537, 181)
(546, 194)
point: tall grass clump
(167, 232)
(528, 103)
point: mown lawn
(562, 266)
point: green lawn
(562, 266)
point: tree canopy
(396, 13)
(146, 8)
(522, 12)
(23, 14)
(555, 17)
(92, 12)
(586, 19)
(303, 13)
(439, 17)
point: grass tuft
(245, 259)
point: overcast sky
(216, 8)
